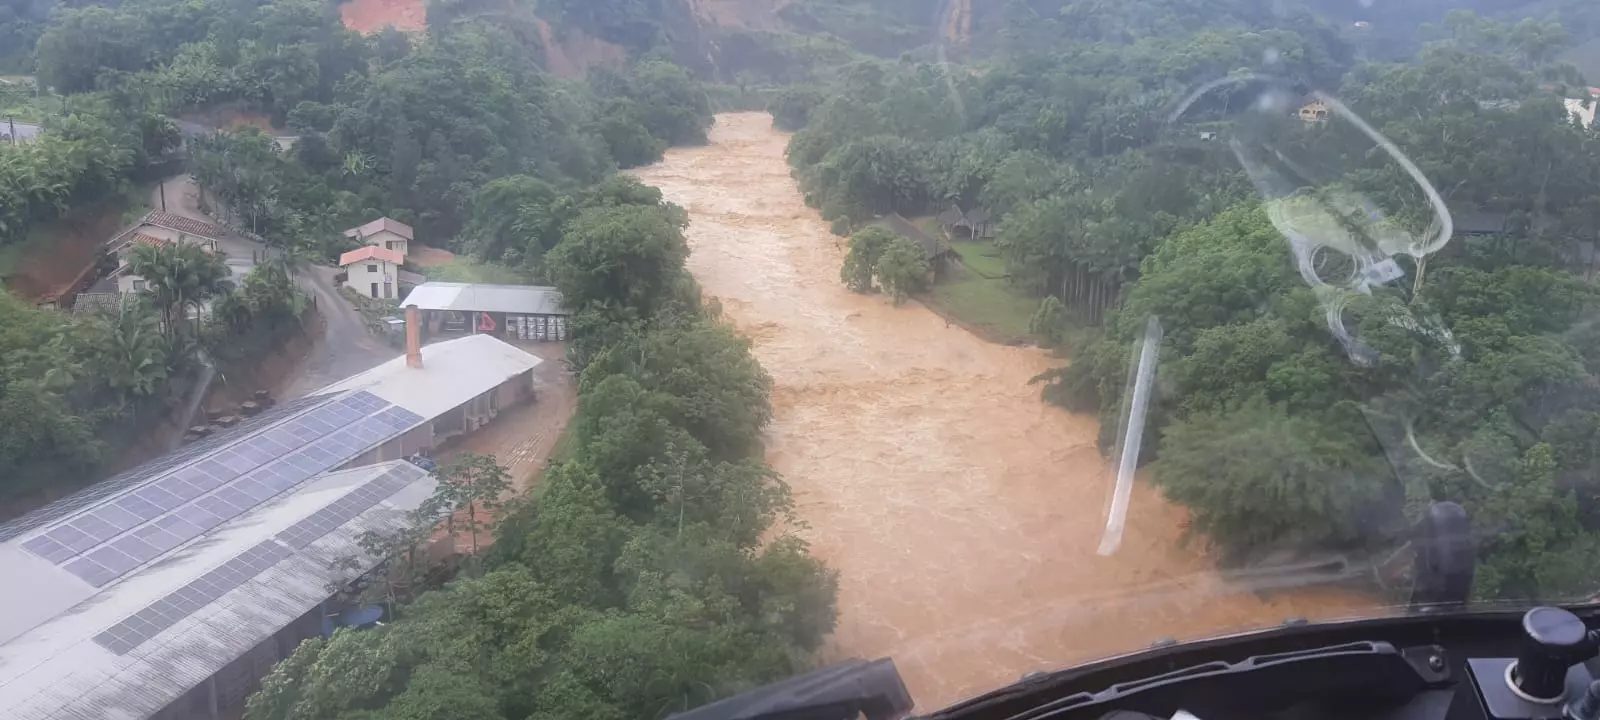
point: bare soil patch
(370, 16)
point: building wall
(455, 421)
(515, 391)
(361, 278)
(414, 441)
(126, 283)
(386, 239)
(171, 235)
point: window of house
(138, 286)
(372, 268)
(388, 244)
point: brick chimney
(413, 337)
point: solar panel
(90, 571)
(162, 614)
(134, 477)
(345, 509)
(233, 481)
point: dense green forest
(641, 579)
(1289, 414)
(648, 574)
(429, 130)
(645, 575)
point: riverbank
(962, 513)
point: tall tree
(181, 276)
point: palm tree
(180, 276)
(129, 353)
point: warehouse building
(525, 313)
(170, 590)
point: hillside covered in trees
(415, 128)
(1297, 410)
(647, 573)
(1302, 405)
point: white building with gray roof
(170, 589)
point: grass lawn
(990, 306)
(463, 269)
(980, 296)
(981, 257)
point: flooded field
(962, 513)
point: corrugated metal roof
(474, 297)
(931, 247)
(51, 665)
(452, 372)
(57, 670)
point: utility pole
(13, 120)
(163, 186)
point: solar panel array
(345, 509)
(101, 545)
(136, 476)
(168, 611)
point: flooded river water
(962, 513)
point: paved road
(345, 348)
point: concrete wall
(128, 282)
(515, 391)
(455, 421)
(411, 443)
(363, 274)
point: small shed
(979, 223)
(511, 312)
(952, 219)
(972, 224)
(1479, 223)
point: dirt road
(522, 437)
(962, 513)
(346, 346)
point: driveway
(345, 348)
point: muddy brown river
(962, 513)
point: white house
(1583, 110)
(385, 233)
(173, 228)
(373, 271)
(159, 229)
(156, 229)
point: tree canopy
(646, 573)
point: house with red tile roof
(373, 271)
(155, 229)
